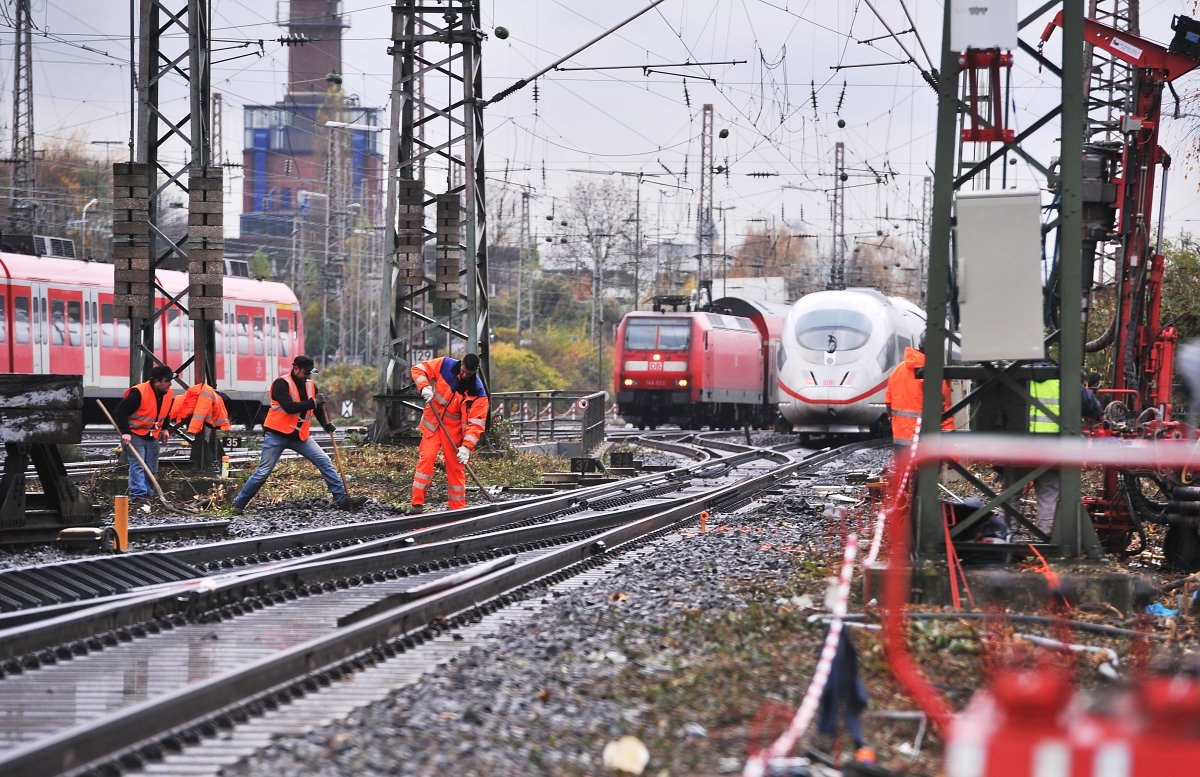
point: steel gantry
(435, 159)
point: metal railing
(552, 416)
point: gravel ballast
(538, 700)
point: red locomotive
(56, 316)
(713, 368)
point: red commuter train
(713, 368)
(56, 317)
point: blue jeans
(274, 444)
(139, 484)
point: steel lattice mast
(447, 314)
(23, 213)
(174, 58)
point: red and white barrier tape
(756, 765)
(881, 516)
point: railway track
(100, 449)
(267, 625)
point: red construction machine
(1118, 209)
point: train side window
(284, 338)
(122, 334)
(107, 326)
(74, 324)
(21, 319)
(243, 335)
(258, 336)
(173, 327)
(58, 324)
(3, 321)
(218, 336)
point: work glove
(464, 454)
(427, 394)
(330, 428)
(164, 436)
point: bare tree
(599, 229)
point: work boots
(352, 504)
(415, 510)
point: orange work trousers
(456, 473)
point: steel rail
(121, 575)
(276, 676)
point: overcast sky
(781, 106)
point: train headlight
(657, 357)
(628, 381)
(682, 382)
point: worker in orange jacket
(453, 392)
(202, 406)
(295, 403)
(903, 398)
(141, 416)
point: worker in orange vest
(141, 416)
(453, 392)
(903, 398)
(202, 406)
(295, 401)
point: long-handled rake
(485, 490)
(153, 480)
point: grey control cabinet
(998, 240)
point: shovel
(337, 459)
(153, 480)
(485, 490)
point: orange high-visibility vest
(903, 398)
(204, 406)
(463, 415)
(148, 420)
(285, 423)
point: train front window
(833, 330)
(654, 335)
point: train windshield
(657, 335)
(833, 330)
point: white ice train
(836, 352)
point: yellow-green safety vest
(1046, 392)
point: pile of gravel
(529, 703)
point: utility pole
(218, 146)
(704, 212)
(837, 268)
(923, 233)
(23, 206)
(523, 249)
